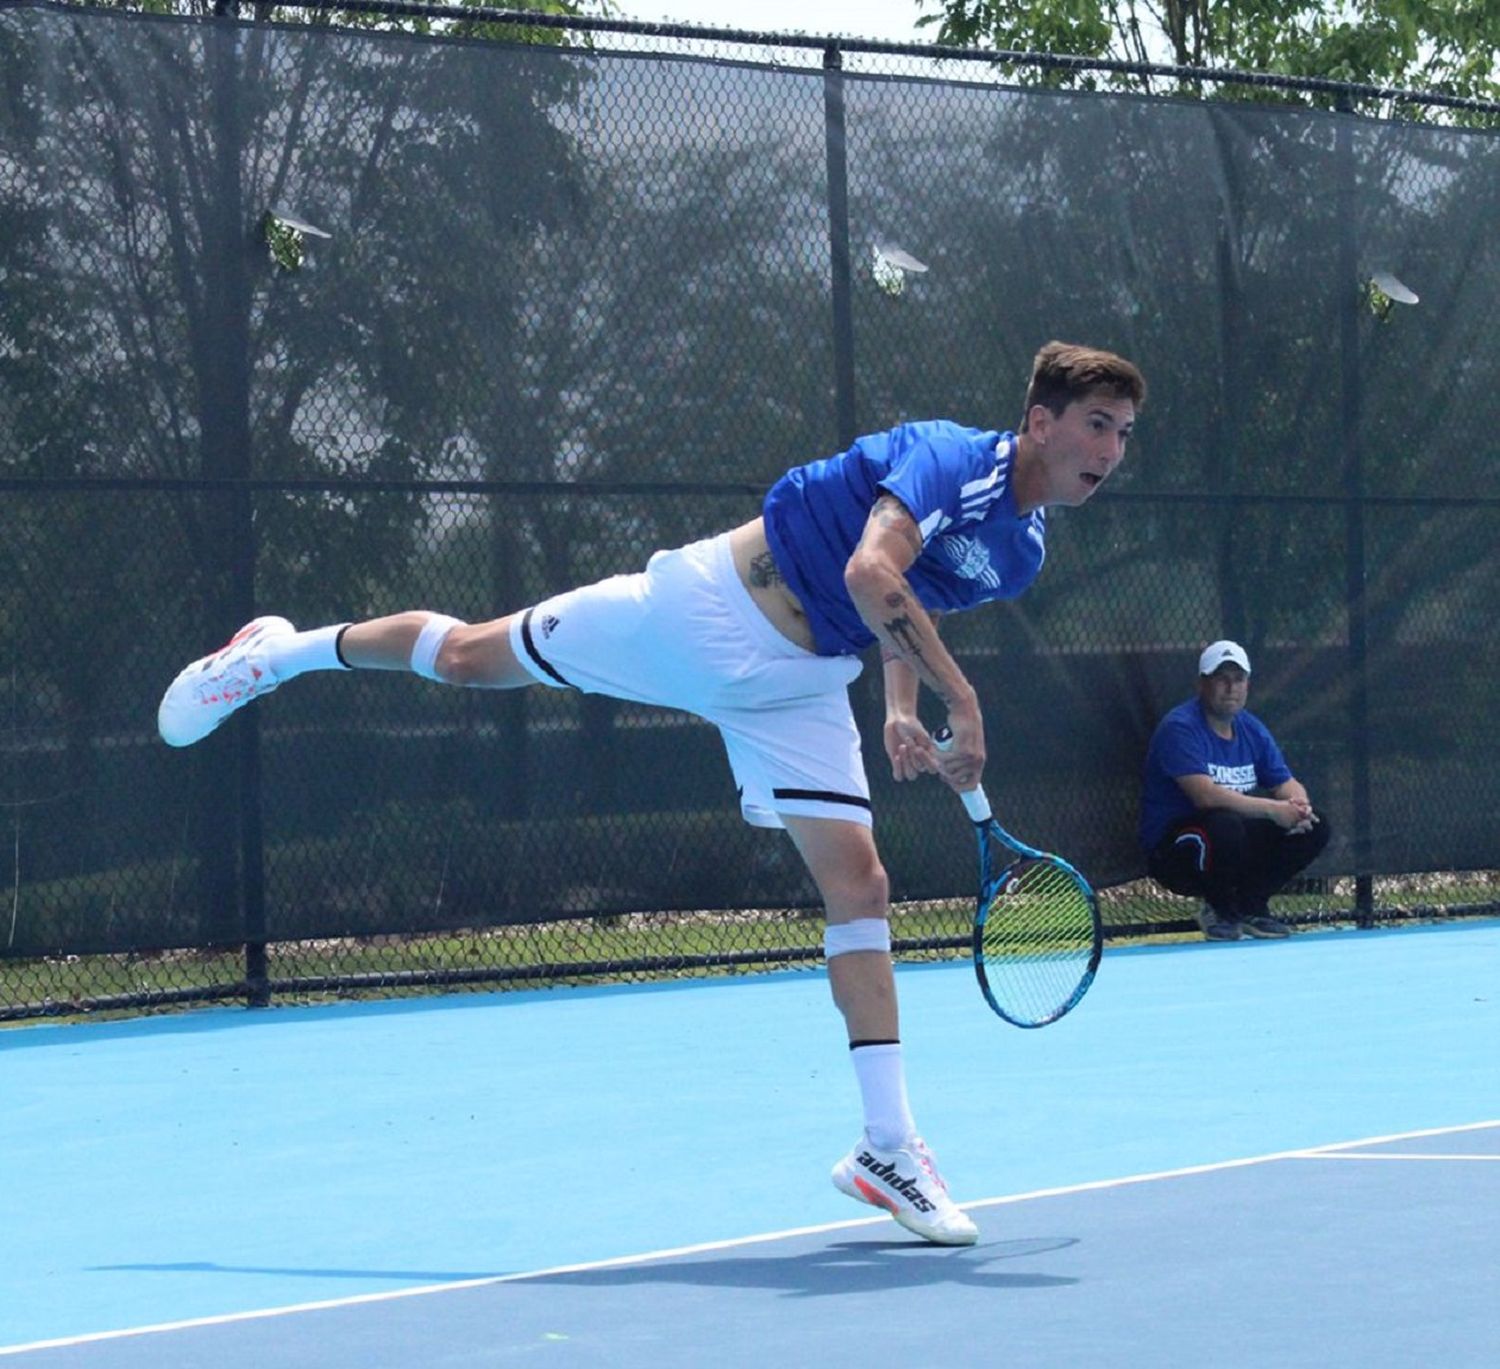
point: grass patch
(627, 947)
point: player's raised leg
(266, 653)
(890, 1166)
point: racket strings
(1039, 939)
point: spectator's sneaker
(1216, 928)
(905, 1182)
(1263, 925)
(210, 689)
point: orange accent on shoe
(871, 1194)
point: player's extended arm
(1207, 793)
(876, 580)
(907, 743)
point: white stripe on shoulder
(976, 506)
(933, 524)
(981, 504)
(977, 487)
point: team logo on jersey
(970, 558)
(1240, 778)
(549, 625)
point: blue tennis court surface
(1248, 1154)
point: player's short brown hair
(1063, 372)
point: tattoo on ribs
(763, 572)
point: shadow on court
(841, 1269)
(844, 1267)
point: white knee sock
(303, 651)
(882, 1086)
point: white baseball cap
(1222, 653)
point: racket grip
(978, 804)
(975, 799)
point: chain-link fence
(581, 299)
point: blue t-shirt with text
(1184, 744)
(954, 481)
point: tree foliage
(1448, 48)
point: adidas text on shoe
(214, 686)
(905, 1182)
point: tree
(146, 333)
(495, 302)
(1449, 49)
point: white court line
(1310, 1153)
(1400, 1155)
(390, 1295)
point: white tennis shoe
(905, 1182)
(209, 690)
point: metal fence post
(1352, 407)
(838, 244)
(225, 387)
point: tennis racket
(1037, 933)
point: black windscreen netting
(574, 306)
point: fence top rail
(832, 45)
(633, 489)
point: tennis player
(758, 631)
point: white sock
(304, 651)
(882, 1086)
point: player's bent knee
(462, 659)
(478, 656)
(851, 900)
(844, 864)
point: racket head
(1038, 937)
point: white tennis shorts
(685, 633)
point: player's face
(1224, 692)
(1082, 445)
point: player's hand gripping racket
(1037, 933)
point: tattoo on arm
(904, 633)
(763, 571)
(888, 652)
(906, 645)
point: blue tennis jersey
(1184, 744)
(954, 481)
